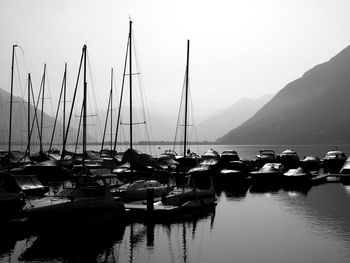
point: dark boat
(76, 206)
(269, 173)
(228, 156)
(135, 165)
(189, 197)
(333, 161)
(344, 175)
(10, 202)
(48, 171)
(210, 155)
(27, 184)
(290, 159)
(233, 172)
(298, 175)
(167, 155)
(137, 190)
(298, 179)
(203, 171)
(311, 163)
(265, 156)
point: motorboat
(78, 205)
(233, 171)
(137, 190)
(228, 156)
(210, 154)
(188, 197)
(188, 161)
(50, 170)
(265, 156)
(334, 161)
(27, 184)
(289, 158)
(297, 175)
(311, 163)
(203, 171)
(168, 154)
(270, 172)
(344, 175)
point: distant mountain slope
(19, 124)
(313, 109)
(221, 123)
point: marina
(181, 132)
(244, 219)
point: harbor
(181, 132)
(243, 218)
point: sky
(238, 48)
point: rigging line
(36, 105)
(105, 127)
(22, 110)
(79, 127)
(145, 110)
(179, 113)
(72, 106)
(18, 75)
(121, 97)
(99, 126)
(35, 119)
(194, 124)
(58, 109)
(49, 91)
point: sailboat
(188, 197)
(50, 168)
(134, 164)
(189, 159)
(86, 202)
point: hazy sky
(238, 48)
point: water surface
(312, 225)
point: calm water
(281, 226)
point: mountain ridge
(309, 110)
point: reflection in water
(89, 245)
(297, 225)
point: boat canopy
(135, 157)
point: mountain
(313, 109)
(222, 122)
(19, 124)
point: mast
(64, 103)
(42, 110)
(84, 106)
(130, 80)
(186, 95)
(111, 111)
(28, 112)
(121, 99)
(11, 98)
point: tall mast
(130, 79)
(111, 111)
(64, 103)
(28, 112)
(186, 95)
(11, 98)
(42, 109)
(84, 105)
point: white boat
(138, 190)
(71, 206)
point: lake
(312, 225)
